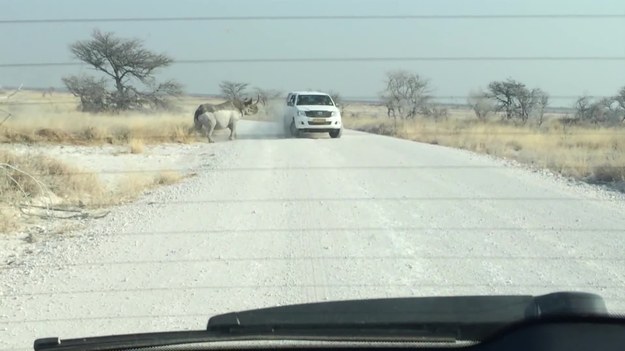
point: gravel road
(270, 221)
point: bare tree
(481, 104)
(516, 100)
(582, 107)
(92, 92)
(606, 110)
(620, 100)
(48, 92)
(266, 95)
(504, 93)
(541, 101)
(233, 90)
(160, 94)
(5, 98)
(525, 103)
(391, 105)
(406, 94)
(124, 61)
(585, 109)
(595, 112)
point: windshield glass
(314, 100)
(157, 166)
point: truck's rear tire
(336, 133)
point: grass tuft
(167, 178)
(609, 173)
(136, 146)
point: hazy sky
(333, 39)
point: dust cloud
(267, 124)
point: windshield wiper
(456, 317)
(432, 319)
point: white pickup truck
(312, 112)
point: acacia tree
(504, 93)
(406, 94)
(233, 90)
(126, 62)
(516, 100)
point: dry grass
(8, 218)
(167, 178)
(84, 129)
(131, 187)
(134, 185)
(136, 146)
(589, 153)
(67, 183)
(39, 179)
(56, 120)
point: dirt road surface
(272, 221)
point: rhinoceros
(222, 116)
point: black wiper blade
(432, 319)
(463, 317)
(121, 342)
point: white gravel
(272, 221)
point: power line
(208, 260)
(202, 316)
(313, 17)
(294, 286)
(412, 230)
(345, 59)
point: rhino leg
(209, 123)
(209, 131)
(233, 130)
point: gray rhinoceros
(222, 116)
